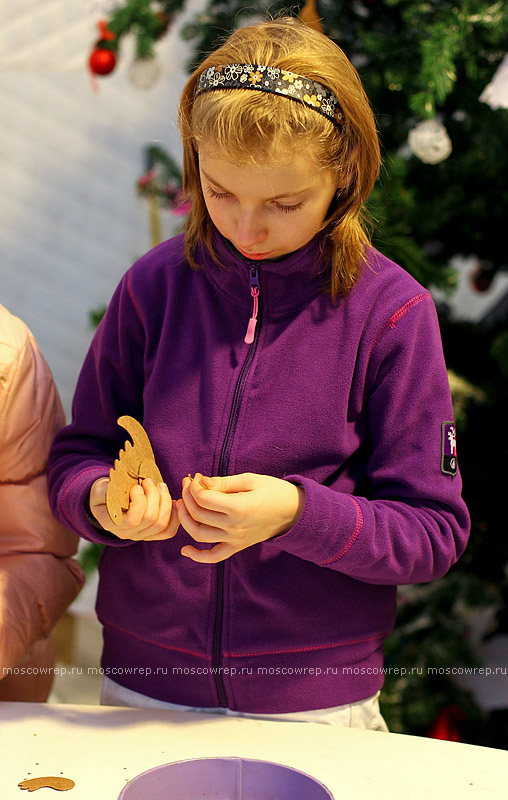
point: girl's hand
(236, 512)
(152, 514)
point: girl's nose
(249, 231)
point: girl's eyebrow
(286, 194)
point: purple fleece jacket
(347, 400)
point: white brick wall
(70, 220)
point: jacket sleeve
(110, 385)
(413, 524)
(38, 577)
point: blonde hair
(238, 123)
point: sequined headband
(274, 81)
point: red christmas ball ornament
(102, 61)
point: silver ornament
(143, 73)
(430, 141)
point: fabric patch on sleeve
(448, 448)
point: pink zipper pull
(251, 327)
(254, 290)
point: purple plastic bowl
(224, 779)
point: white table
(101, 748)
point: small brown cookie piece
(49, 782)
(135, 463)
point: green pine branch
(146, 20)
(439, 48)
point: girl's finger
(169, 531)
(199, 513)
(153, 500)
(243, 482)
(165, 505)
(137, 507)
(159, 502)
(198, 531)
(207, 496)
(218, 553)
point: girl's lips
(255, 255)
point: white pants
(362, 714)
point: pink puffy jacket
(38, 579)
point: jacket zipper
(251, 338)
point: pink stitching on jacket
(157, 644)
(395, 317)
(403, 309)
(358, 527)
(307, 649)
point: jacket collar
(286, 284)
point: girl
(298, 374)
(39, 578)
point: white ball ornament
(143, 73)
(430, 142)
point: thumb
(230, 483)
(98, 492)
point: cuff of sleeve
(73, 505)
(99, 530)
(328, 527)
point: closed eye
(218, 195)
(287, 209)
(279, 206)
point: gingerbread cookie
(135, 463)
(50, 782)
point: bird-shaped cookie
(51, 782)
(135, 463)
